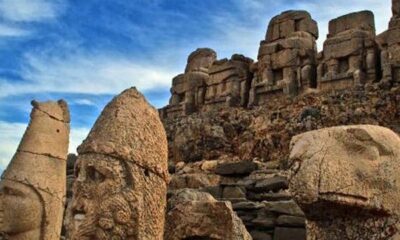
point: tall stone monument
(121, 174)
(32, 189)
(350, 53)
(286, 58)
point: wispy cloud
(87, 74)
(83, 101)
(11, 31)
(11, 134)
(30, 10)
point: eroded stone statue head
(121, 174)
(32, 189)
(347, 181)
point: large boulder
(197, 215)
(346, 181)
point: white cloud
(83, 101)
(11, 134)
(30, 10)
(87, 74)
(77, 135)
(10, 31)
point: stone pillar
(33, 188)
(371, 64)
(120, 190)
(333, 68)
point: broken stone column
(350, 55)
(388, 42)
(286, 58)
(229, 82)
(188, 89)
(121, 182)
(346, 181)
(32, 189)
(197, 215)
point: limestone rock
(32, 189)
(236, 168)
(349, 56)
(286, 59)
(345, 179)
(120, 189)
(197, 215)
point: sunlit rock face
(194, 215)
(32, 189)
(121, 174)
(346, 181)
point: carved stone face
(20, 208)
(347, 168)
(103, 203)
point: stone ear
(64, 106)
(360, 134)
(35, 104)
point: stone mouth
(346, 199)
(342, 204)
(79, 217)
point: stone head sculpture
(346, 179)
(32, 189)
(121, 174)
(200, 60)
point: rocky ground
(240, 155)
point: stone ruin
(197, 215)
(288, 64)
(350, 54)
(240, 152)
(228, 125)
(208, 82)
(121, 174)
(346, 180)
(32, 189)
(286, 58)
(388, 42)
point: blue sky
(87, 51)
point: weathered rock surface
(120, 189)
(286, 58)
(345, 179)
(260, 137)
(32, 189)
(350, 54)
(196, 215)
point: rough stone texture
(350, 54)
(229, 82)
(201, 142)
(194, 215)
(346, 180)
(120, 189)
(32, 189)
(286, 58)
(389, 47)
(209, 83)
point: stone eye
(94, 175)
(11, 192)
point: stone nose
(81, 175)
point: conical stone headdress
(40, 161)
(129, 129)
